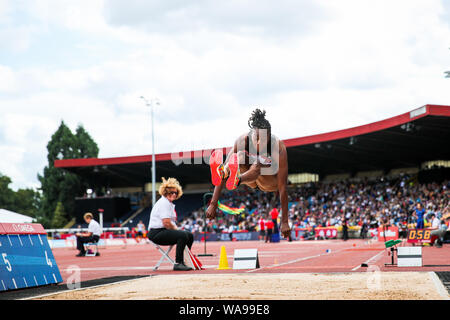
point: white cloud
(17, 39)
(232, 16)
(315, 66)
(5, 9)
(8, 81)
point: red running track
(296, 256)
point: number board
(26, 259)
(419, 236)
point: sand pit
(286, 286)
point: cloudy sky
(315, 66)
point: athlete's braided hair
(258, 120)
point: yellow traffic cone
(223, 262)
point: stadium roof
(406, 140)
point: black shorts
(262, 232)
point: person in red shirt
(274, 214)
(262, 228)
(269, 230)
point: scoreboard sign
(419, 236)
(26, 259)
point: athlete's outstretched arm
(282, 189)
(211, 211)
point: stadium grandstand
(372, 171)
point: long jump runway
(283, 262)
(297, 256)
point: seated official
(92, 235)
(162, 226)
(439, 227)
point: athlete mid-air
(258, 159)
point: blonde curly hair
(170, 183)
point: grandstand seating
(188, 203)
(183, 206)
(324, 204)
(321, 204)
(144, 216)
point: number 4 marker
(49, 262)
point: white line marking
(369, 261)
(29, 236)
(126, 268)
(40, 239)
(35, 280)
(14, 281)
(297, 260)
(25, 280)
(287, 262)
(3, 285)
(20, 240)
(10, 243)
(46, 282)
(439, 286)
(112, 268)
(54, 277)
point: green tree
(6, 193)
(24, 201)
(59, 185)
(27, 201)
(59, 216)
(87, 147)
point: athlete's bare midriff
(264, 183)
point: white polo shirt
(162, 209)
(95, 228)
(435, 224)
(141, 227)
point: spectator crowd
(365, 203)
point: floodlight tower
(151, 103)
